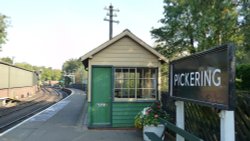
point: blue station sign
(206, 78)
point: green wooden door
(101, 96)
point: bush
(243, 77)
(150, 116)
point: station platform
(65, 121)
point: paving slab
(64, 121)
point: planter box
(158, 130)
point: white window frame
(136, 78)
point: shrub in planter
(150, 117)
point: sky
(50, 32)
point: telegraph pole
(111, 21)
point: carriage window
(135, 84)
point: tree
(3, 27)
(7, 60)
(244, 23)
(71, 65)
(197, 25)
(80, 75)
(46, 74)
(56, 74)
(25, 66)
(67, 81)
(75, 67)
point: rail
(14, 115)
(186, 135)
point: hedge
(243, 76)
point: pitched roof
(127, 33)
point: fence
(16, 82)
(204, 122)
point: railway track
(14, 115)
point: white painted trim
(12, 128)
(180, 118)
(227, 125)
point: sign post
(208, 79)
(227, 126)
(180, 118)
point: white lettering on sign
(201, 78)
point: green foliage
(243, 76)
(197, 25)
(67, 81)
(3, 27)
(164, 77)
(80, 75)
(245, 23)
(25, 66)
(46, 73)
(75, 67)
(138, 121)
(243, 50)
(50, 74)
(71, 65)
(150, 115)
(56, 74)
(7, 60)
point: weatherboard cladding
(125, 52)
(123, 113)
(126, 33)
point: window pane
(131, 83)
(153, 73)
(146, 73)
(146, 83)
(131, 93)
(149, 83)
(132, 73)
(126, 84)
(139, 83)
(139, 93)
(148, 93)
(149, 73)
(125, 93)
(119, 83)
(126, 73)
(140, 73)
(118, 93)
(118, 74)
(142, 83)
